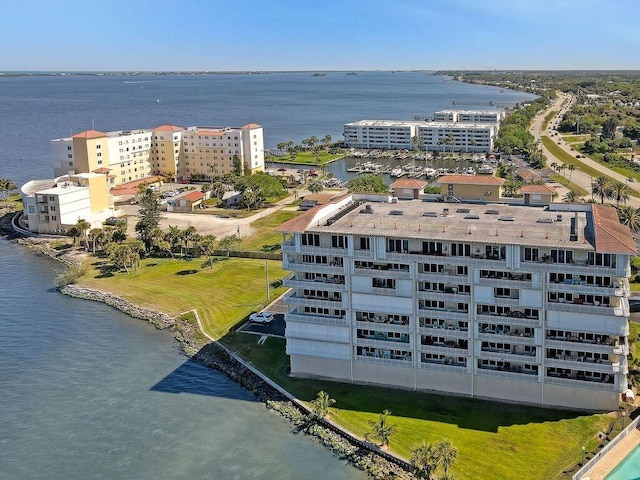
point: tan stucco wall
(473, 192)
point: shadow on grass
(186, 272)
(465, 412)
(104, 268)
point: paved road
(561, 106)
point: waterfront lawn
(223, 296)
(263, 236)
(494, 440)
(309, 158)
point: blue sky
(319, 34)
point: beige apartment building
(129, 155)
(524, 304)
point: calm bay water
(86, 392)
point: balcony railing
(319, 319)
(378, 343)
(524, 376)
(444, 296)
(381, 273)
(453, 331)
(444, 277)
(587, 346)
(508, 356)
(575, 363)
(382, 326)
(313, 301)
(444, 348)
(590, 384)
(601, 309)
(442, 366)
(394, 362)
(443, 314)
(503, 319)
(577, 288)
(507, 337)
(503, 282)
(312, 284)
(312, 267)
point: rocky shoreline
(362, 455)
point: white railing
(583, 288)
(525, 322)
(319, 319)
(310, 284)
(521, 377)
(587, 346)
(382, 326)
(442, 367)
(443, 278)
(606, 449)
(383, 361)
(586, 384)
(504, 282)
(382, 344)
(581, 307)
(507, 337)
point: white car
(262, 317)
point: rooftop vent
(545, 220)
(430, 214)
(396, 212)
(367, 209)
(472, 217)
(558, 218)
(507, 218)
(445, 212)
(492, 212)
(463, 210)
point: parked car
(262, 317)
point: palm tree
(620, 192)
(187, 235)
(96, 235)
(226, 243)
(571, 197)
(315, 186)
(74, 232)
(174, 237)
(320, 406)
(601, 188)
(381, 429)
(425, 459)
(630, 217)
(571, 168)
(6, 185)
(553, 166)
(82, 225)
(447, 454)
(208, 246)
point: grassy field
(570, 185)
(264, 236)
(309, 158)
(494, 440)
(547, 119)
(575, 138)
(568, 159)
(223, 296)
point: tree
(447, 454)
(74, 232)
(251, 198)
(205, 187)
(228, 242)
(82, 225)
(187, 235)
(237, 165)
(367, 184)
(208, 246)
(118, 234)
(571, 168)
(320, 406)
(149, 215)
(571, 197)
(120, 255)
(327, 140)
(96, 236)
(382, 429)
(620, 192)
(316, 186)
(601, 188)
(6, 185)
(174, 237)
(630, 217)
(425, 459)
(609, 128)
(217, 190)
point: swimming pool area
(628, 468)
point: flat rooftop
(409, 123)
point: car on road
(632, 179)
(262, 317)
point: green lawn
(309, 158)
(223, 296)
(548, 118)
(264, 234)
(575, 138)
(494, 440)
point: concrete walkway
(614, 457)
(561, 106)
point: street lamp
(582, 462)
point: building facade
(125, 156)
(52, 206)
(522, 304)
(469, 116)
(428, 136)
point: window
(311, 239)
(561, 256)
(383, 282)
(460, 250)
(531, 254)
(365, 243)
(397, 245)
(432, 248)
(338, 241)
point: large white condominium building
(178, 152)
(429, 136)
(469, 116)
(516, 303)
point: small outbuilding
(537, 194)
(186, 203)
(408, 188)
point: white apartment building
(129, 155)
(469, 116)
(52, 206)
(431, 136)
(516, 303)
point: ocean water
(87, 392)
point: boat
(485, 169)
(396, 172)
(471, 171)
(430, 172)
(351, 73)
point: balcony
(383, 322)
(310, 250)
(505, 282)
(443, 313)
(319, 319)
(312, 267)
(453, 295)
(448, 348)
(600, 309)
(506, 320)
(473, 261)
(381, 340)
(578, 267)
(618, 289)
(515, 338)
(291, 282)
(444, 277)
(579, 363)
(309, 301)
(452, 331)
(443, 366)
(587, 383)
(381, 273)
(508, 355)
(578, 343)
(394, 362)
(521, 376)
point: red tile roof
(134, 184)
(194, 196)
(102, 170)
(167, 128)
(543, 189)
(527, 174)
(610, 236)
(471, 180)
(251, 125)
(409, 183)
(90, 134)
(213, 133)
